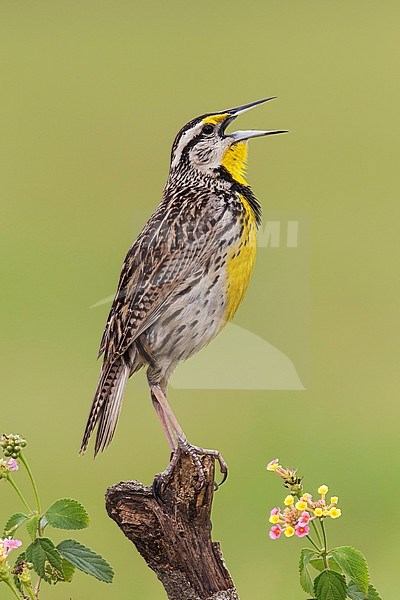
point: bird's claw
(161, 479)
(195, 452)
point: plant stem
(325, 545)
(317, 532)
(313, 543)
(30, 592)
(37, 588)
(16, 488)
(35, 490)
(12, 588)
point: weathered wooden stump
(172, 531)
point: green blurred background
(92, 94)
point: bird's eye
(208, 129)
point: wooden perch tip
(170, 526)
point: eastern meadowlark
(184, 276)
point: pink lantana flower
(275, 532)
(12, 464)
(302, 530)
(274, 511)
(305, 518)
(11, 544)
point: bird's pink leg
(164, 423)
(194, 451)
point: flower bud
(12, 444)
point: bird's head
(205, 146)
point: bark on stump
(173, 531)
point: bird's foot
(161, 479)
(195, 452)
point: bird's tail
(106, 405)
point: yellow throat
(235, 161)
(241, 256)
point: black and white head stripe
(191, 131)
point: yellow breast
(240, 262)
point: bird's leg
(194, 451)
(164, 422)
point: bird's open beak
(239, 136)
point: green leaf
(46, 559)
(68, 570)
(306, 555)
(13, 523)
(86, 560)
(353, 564)
(318, 564)
(67, 514)
(356, 593)
(330, 586)
(32, 526)
(372, 593)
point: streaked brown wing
(172, 250)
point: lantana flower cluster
(6, 546)
(300, 507)
(6, 466)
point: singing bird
(185, 275)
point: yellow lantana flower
(289, 500)
(334, 500)
(323, 489)
(289, 531)
(274, 519)
(335, 513)
(318, 512)
(273, 465)
(301, 505)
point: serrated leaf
(306, 556)
(32, 526)
(67, 514)
(13, 523)
(355, 592)
(306, 581)
(330, 585)
(318, 564)
(372, 593)
(46, 559)
(353, 564)
(86, 560)
(68, 570)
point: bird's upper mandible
(204, 147)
